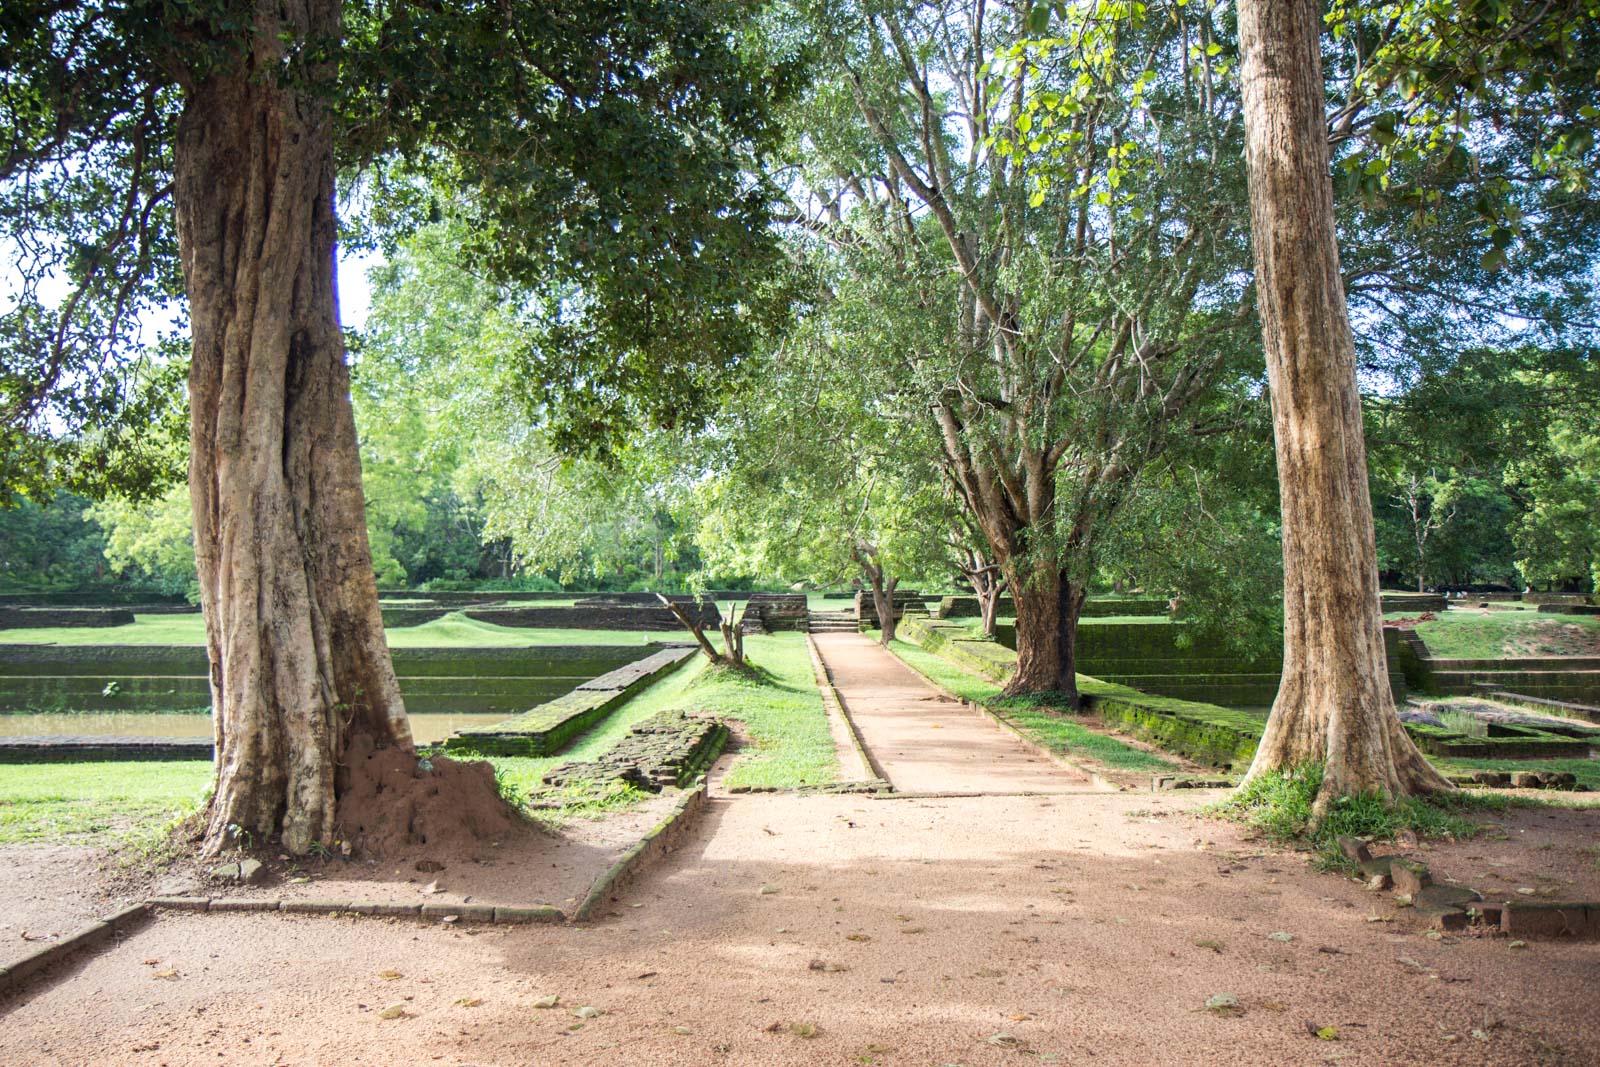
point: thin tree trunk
(733, 635)
(1333, 704)
(883, 604)
(866, 557)
(694, 627)
(989, 603)
(299, 666)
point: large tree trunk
(299, 666)
(1334, 704)
(1036, 592)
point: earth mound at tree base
(390, 801)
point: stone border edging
(497, 914)
(15, 975)
(657, 842)
(833, 702)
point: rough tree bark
(1049, 604)
(1333, 704)
(883, 587)
(299, 665)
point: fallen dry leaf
(469, 1002)
(393, 1011)
(389, 976)
(548, 1002)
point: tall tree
(150, 134)
(1054, 337)
(1333, 704)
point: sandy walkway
(979, 931)
(925, 742)
(1066, 927)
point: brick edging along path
(17, 974)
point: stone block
(1409, 876)
(315, 907)
(1377, 867)
(244, 904)
(49, 955)
(1450, 896)
(467, 913)
(1355, 850)
(1578, 921)
(519, 916)
(386, 908)
(181, 903)
(128, 918)
(242, 872)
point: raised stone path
(924, 742)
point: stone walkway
(925, 742)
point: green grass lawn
(782, 711)
(97, 803)
(452, 631)
(1051, 729)
(790, 743)
(1458, 634)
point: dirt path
(972, 930)
(903, 931)
(923, 741)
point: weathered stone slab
(385, 908)
(181, 903)
(522, 916)
(1409, 876)
(1578, 921)
(467, 913)
(315, 907)
(244, 904)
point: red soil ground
(788, 929)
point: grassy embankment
(1059, 734)
(452, 631)
(1471, 634)
(104, 803)
(790, 744)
